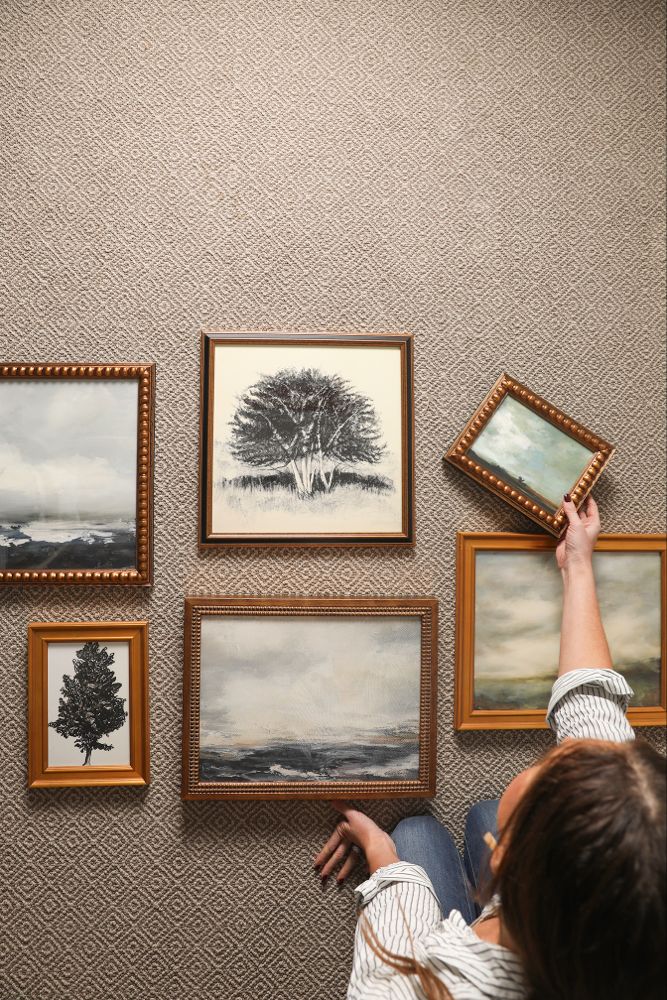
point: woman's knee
(419, 830)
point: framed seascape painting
(509, 601)
(530, 453)
(306, 438)
(295, 698)
(76, 467)
(88, 704)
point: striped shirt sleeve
(590, 705)
(401, 911)
(400, 907)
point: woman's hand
(355, 831)
(576, 545)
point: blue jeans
(424, 841)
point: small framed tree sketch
(306, 439)
(309, 698)
(76, 461)
(508, 614)
(529, 453)
(88, 704)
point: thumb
(342, 807)
(570, 510)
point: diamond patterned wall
(484, 173)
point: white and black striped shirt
(400, 902)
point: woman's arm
(399, 904)
(583, 643)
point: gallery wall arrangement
(405, 230)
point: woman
(579, 864)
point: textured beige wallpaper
(484, 173)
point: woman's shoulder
(471, 968)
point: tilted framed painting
(508, 615)
(529, 453)
(88, 704)
(306, 439)
(76, 454)
(309, 698)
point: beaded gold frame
(601, 452)
(141, 573)
(197, 608)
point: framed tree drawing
(76, 454)
(88, 704)
(530, 453)
(509, 600)
(306, 438)
(309, 698)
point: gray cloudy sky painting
(307, 678)
(518, 609)
(519, 441)
(68, 448)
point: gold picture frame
(54, 662)
(111, 547)
(255, 701)
(514, 489)
(478, 705)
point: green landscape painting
(518, 598)
(531, 454)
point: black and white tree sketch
(305, 439)
(89, 706)
(308, 423)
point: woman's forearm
(380, 851)
(582, 639)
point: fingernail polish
(567, 498)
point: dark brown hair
(582, 874)
(581, 878)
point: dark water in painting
(283, 760)
(67, 545)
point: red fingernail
(567, 497)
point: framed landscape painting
(509, 601)
(306, 438)
(76, 466)
(295, 698)
(530, 453)
(88, 704)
